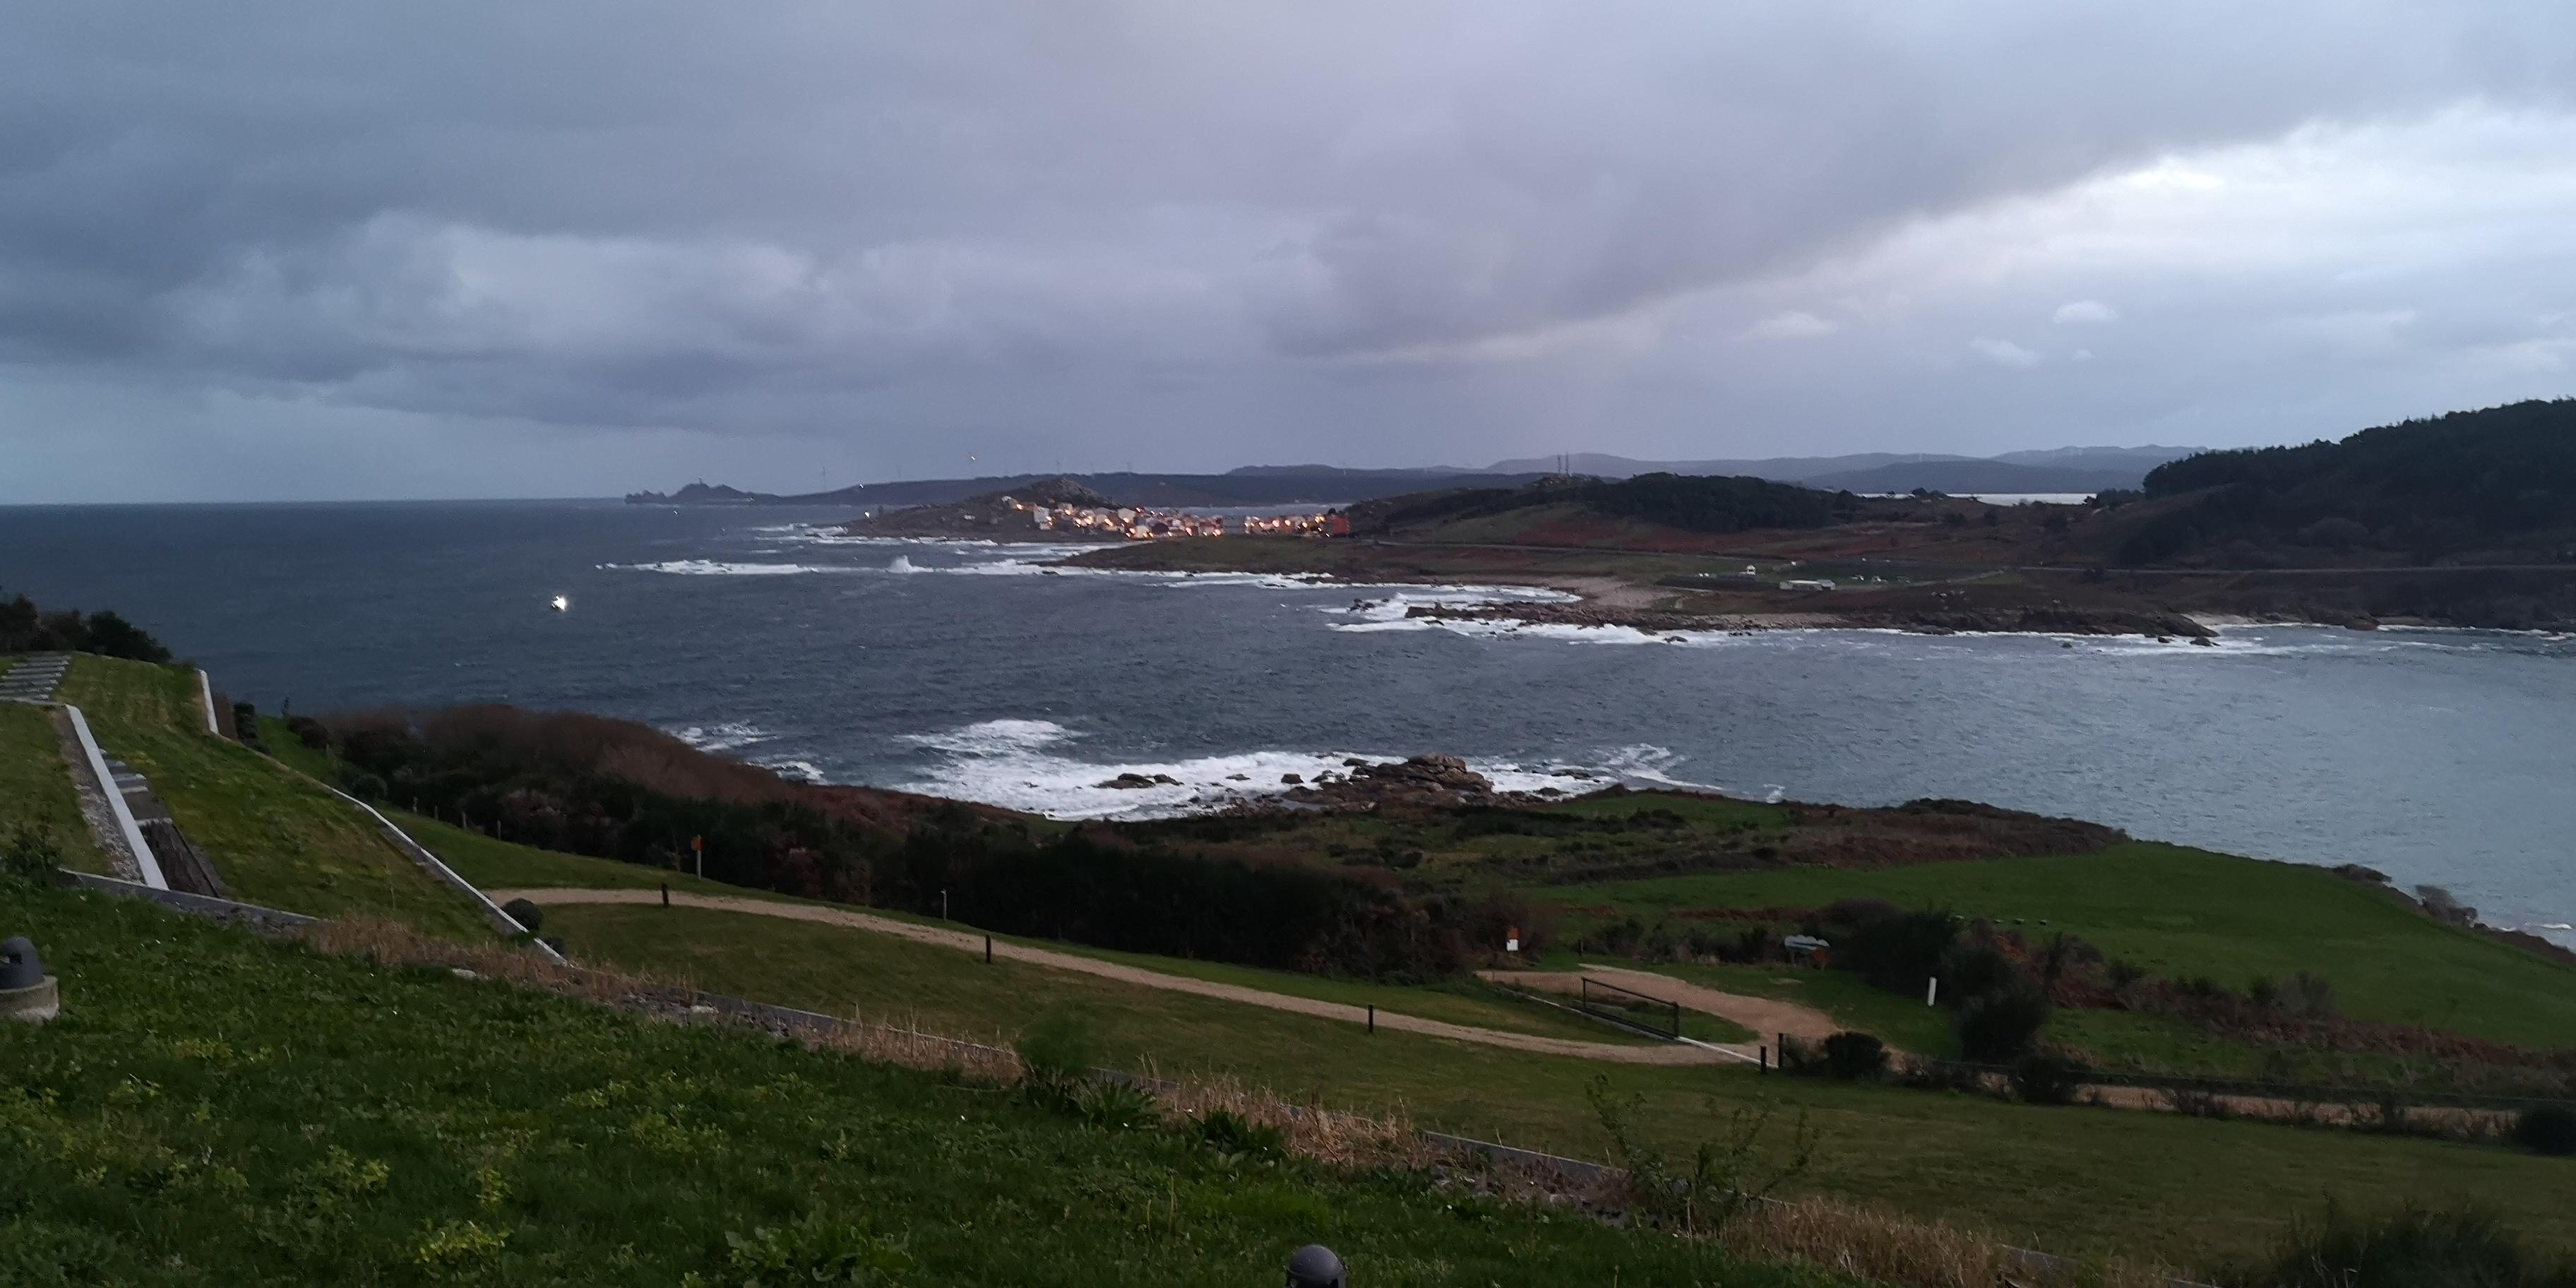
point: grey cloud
(1126, 219)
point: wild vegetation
(611, 789)
(1691, 503)
(24, 628)
(2496, 485)
(215, 1106)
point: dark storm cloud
(1046, 219)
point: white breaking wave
(1022, 765)
(721, 737)
(803, 770)
(714, 568)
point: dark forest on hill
(2497, 485)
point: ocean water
(970, 670)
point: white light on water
(562, 602)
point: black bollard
(1315, 1266)
(666, 894)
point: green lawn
(215, 1108)
(276, 838)
(36, 786)
(2182, 912)
(500, 865)
(2076, 1180)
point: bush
(31, 854)
(1237, 1137)
(527, 914)
(811, 1250)
(309, 731)
(2413, 1247)
(1899, 952)
(2547, 1129)
(1725, 1178)
(1057, 1055)
(2043, 1078)
(1970, 971)
(1999, 1026)
(1852, 1057)
(1118, 1106)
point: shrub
(1118, 1106)
(810, 1250)
(2045, 1078)
(1727, 1177)
(2547, 1129)
(31, 853)
(1237, 1137)
(1898, 953)
(309, 731)
(527, 914)
(1970, 971)
(1999, 1026)
(2413, 1247)
(1853, 1056)
(1057, 1054)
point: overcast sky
(258, 250)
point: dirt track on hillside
(973, 941)
(1767, 1017)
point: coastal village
(1140, 523)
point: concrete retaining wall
(419, 853)
(144, 863)
(267, 920)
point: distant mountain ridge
(1249, 486)
(2063, 469)
(2059, 469)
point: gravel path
(973, 941)
(1767, 1017)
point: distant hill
(2061, 469)
(1978, 476)
(1689, 502)
(2497, 485)
(1253, 485)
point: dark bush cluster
(586, 785)
(2547, 1129)
(24, 628)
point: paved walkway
(973, 941)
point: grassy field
(213, 1107)
(275, 837)
(2073, 1179)
(36, 786)
(498, 865)
(2181, 912)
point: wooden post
(988, 950)
(666, 894)
(1372, 1017)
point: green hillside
(213, 1107)
(2184, 913)
(2498, 483)
(276, 837)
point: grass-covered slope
(214, 1108)
(2183, 913)
(276, 837)
(2076, 1180)
(36, 786)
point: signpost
(698, 848)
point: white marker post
(1932, 991)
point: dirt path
(1767, 1017)
(973, 941)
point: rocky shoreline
(2048, 620)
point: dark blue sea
(969, 670)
